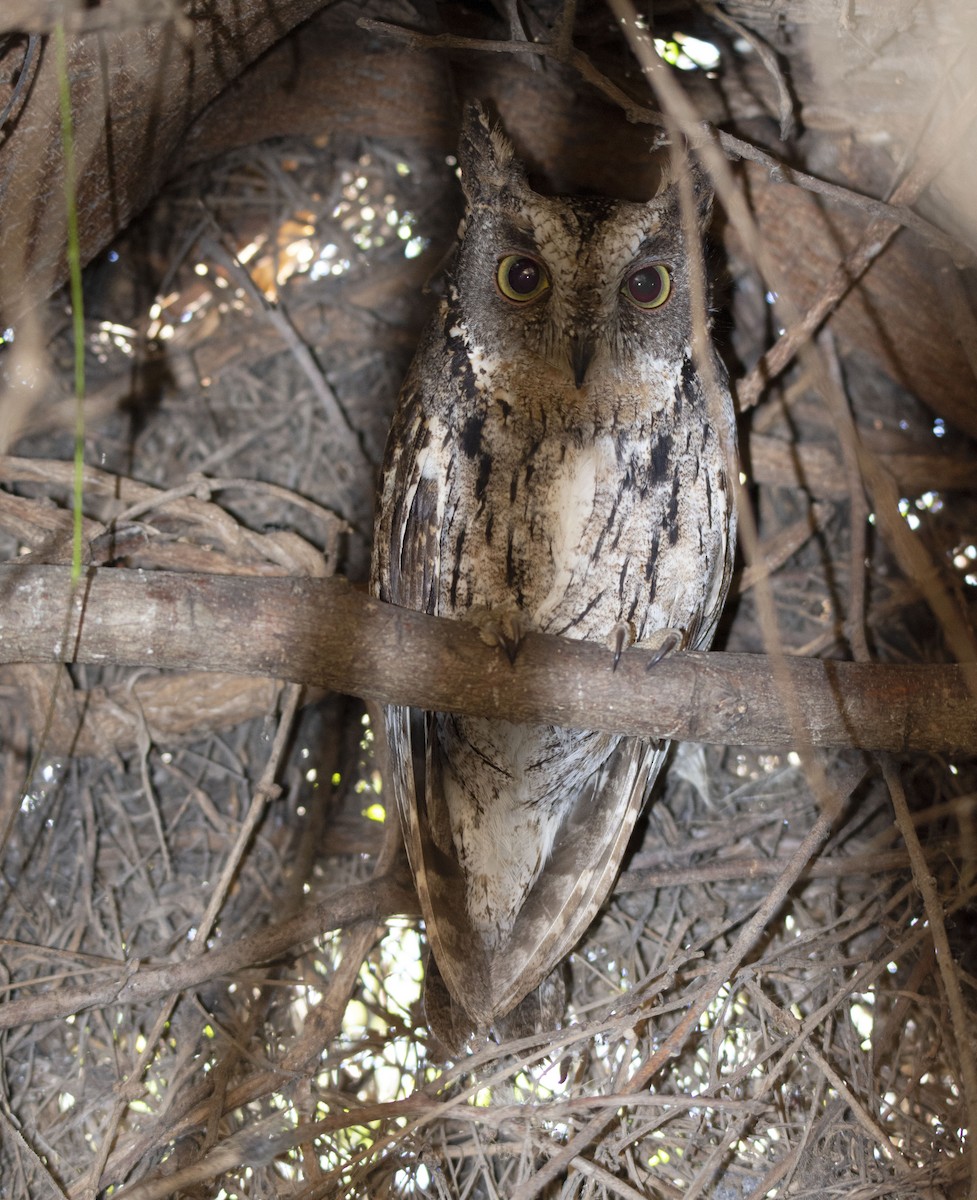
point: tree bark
(327, 633)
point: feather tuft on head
(487, 157)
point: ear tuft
(702, 190)
(486, 156)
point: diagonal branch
(142, 983)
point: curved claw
(671, 641)
(510, 644)
(620, 637)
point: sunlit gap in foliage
(686, 53)
(321, 243)
(963, 554)
(680, 50)
(965, 559)
(385, 1055)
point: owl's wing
(433, 859)
(580, 871)
(406, 544)
(406, 570)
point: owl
(554, 464)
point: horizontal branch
(327, 633)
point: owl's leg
(505, 627)
(660, 643)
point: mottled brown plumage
(554, 464)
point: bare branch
(130, 983)
(326, 632)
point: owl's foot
(662, 643)
(501, 627)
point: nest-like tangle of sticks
(171, 839)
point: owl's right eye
(521, 278)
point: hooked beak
(581, 355)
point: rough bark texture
(329, 634)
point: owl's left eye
(649, 286)
(521, 278)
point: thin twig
(785, 106)
(339, 421)
(802, 1040)
(24, 77)
(933, 904)
(848, 436)
(133, 1085)
(722, 971)
(611, 1184)
(734, 147)
(138, 984)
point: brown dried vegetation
(208, 951)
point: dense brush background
(263, 192)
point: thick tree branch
(327, 633)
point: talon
(671, 640)
(512, 629)
(618, 640)
(510, 645)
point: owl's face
(585, 288)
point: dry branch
(327, 633)
(743, 943)
(135, 983)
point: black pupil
(645, 285)
(523, 276)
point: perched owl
(554, 464)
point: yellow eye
(521, 278)
(649, 286)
